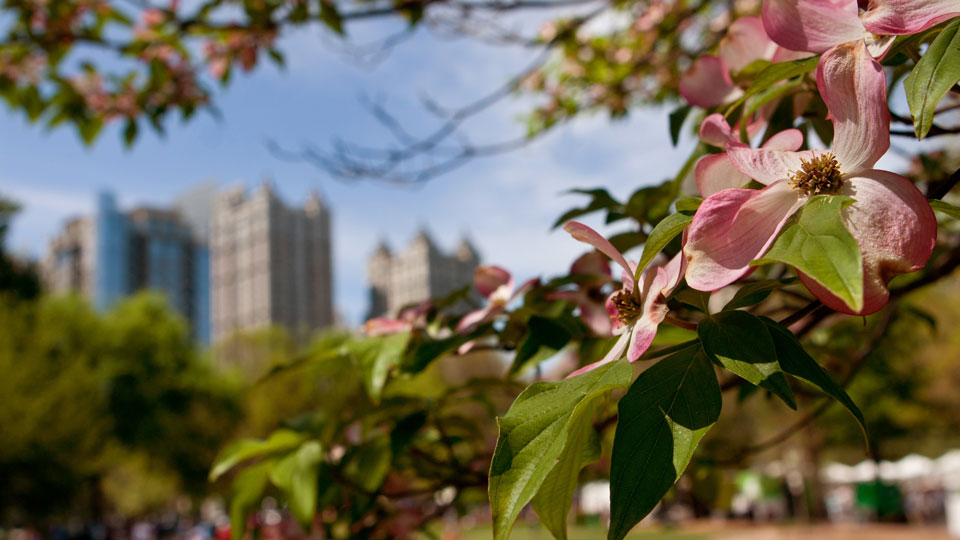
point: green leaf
(795, 361)
(130, 132)
(677, 117)
(775, 73)
(932, 78)
(688, 205)
(754, 103)
(946, 208)
(660, 236)
(424, 349)
(741, 343)
(331, 17)
(248, 488)
(544, 338)
(296, 475)
(756, 292)
(694, 298)
(818, 244)
(552, 502)
(369, 465)
(279, 441)
(663, 416)
(375, 357)
(533, 434)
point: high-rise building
(420, 272)
(270, 264)
(112, 254)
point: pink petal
(585, 234)
(475, 318)
(662, 280)
(732, 228)
(416, 313)
(786, 55)
(896, 231)
(381, 326)
(745, 42)
(900, 17)
(613, 355)
(716, 173)
(523, 288)
(855, 90)
(763, 164)
(594, 314)
(788, 140)
(673, 272)
(489, 278)
(591, 264)
(716, 131)
(708, 84)
(878, 46)
(596, 318)
(466, 347)
(812, 25)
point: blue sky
(506, 204)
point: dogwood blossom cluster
(751, 193)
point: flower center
(820, 175)
(628, 307)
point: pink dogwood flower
(496, 285)
(708, 82)
(716, 172)
(890, 219)
(817, 25)
(637, 309)
(902, 17)
(409, 318)
(594, 267)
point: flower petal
(596, 318)
(659, 283)
(896, 231)
(716, 131)
(855, 90)
(488, 278)
(716, 173)
(593, 263)
(812, 25)
(381, 326)
(707, 83)
(523, 288)
(613, 355)
(585, 234)
(765, 165)
(745, 42)
(474, 318)
(788, 140)
(900, 17)
(732, 228)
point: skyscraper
(112, 254)
(270, 264)
(420, 272)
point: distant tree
(17, 277)
(85, 394)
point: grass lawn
(530, 532)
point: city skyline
(506, 202)
(195, 209)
